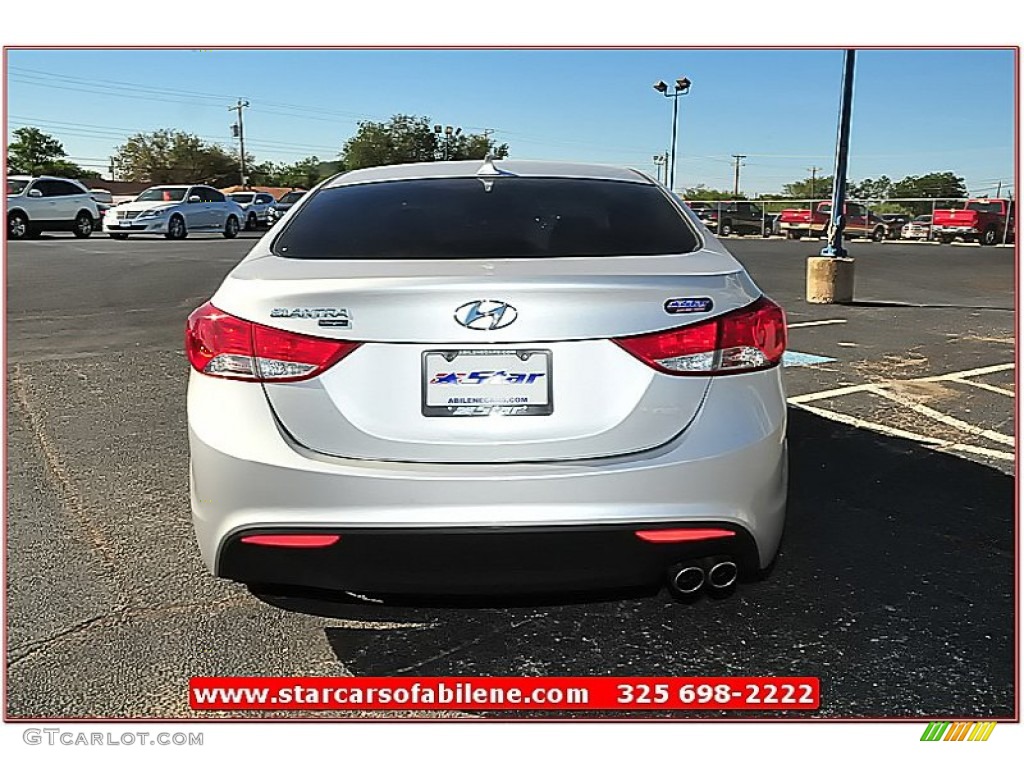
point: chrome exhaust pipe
(686, 579)
(722, 574)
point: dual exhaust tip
(690, 578)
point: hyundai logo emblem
(486, 315)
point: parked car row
(734, 218)
(37, 204)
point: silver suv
(48, 203)
(256, 207)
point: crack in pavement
(71, 498)
(120, 615)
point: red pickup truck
(795, 223)
(985, 220)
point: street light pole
(450, 132)
(659, 162)
(682, 87)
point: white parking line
(955, 376)
(931, 413)
(928, 442)
(809, 323)
(970, 372)
(988, 387)
(827, 394)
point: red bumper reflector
(292, 540)
(672, 535)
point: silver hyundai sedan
(488, 377)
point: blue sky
(915, 111)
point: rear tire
(176, 228)
(791, 235)
(725, 228)
(878, 234)
(17, 226)
(83, 224)
(989, 236)
(251, 222)
(231, 228)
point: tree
(872, 189)
(174, 157)
(411, 139)
(303, 174)
(703, 193)
(818, 188)
(944, 185)
(37, 153)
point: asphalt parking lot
(895, 583)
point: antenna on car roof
(489, 169)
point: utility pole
(736, 177)
(814, 177)
(239, 130)
(999, 190)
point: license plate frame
(484, 401)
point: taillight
(748, 339)
(219, 344)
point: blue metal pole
(834, 246)
(675, 131)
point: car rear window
(486, 218)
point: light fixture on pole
(450, 133)
(681, 88)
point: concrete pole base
(829, 280)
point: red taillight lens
(747, 339)
(219, 344)
(302, 540)
(676, 535)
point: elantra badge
(328, 317)
(486, 315)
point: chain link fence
(761, 216)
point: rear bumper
(945, 230)
(465, 561)
(247, 476)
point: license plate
(487, 382)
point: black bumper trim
(476, 560)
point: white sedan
(173, 211)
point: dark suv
(733, 218)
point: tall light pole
(659, 162)
(449, 133)
(682, 87)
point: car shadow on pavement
(894, 585)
